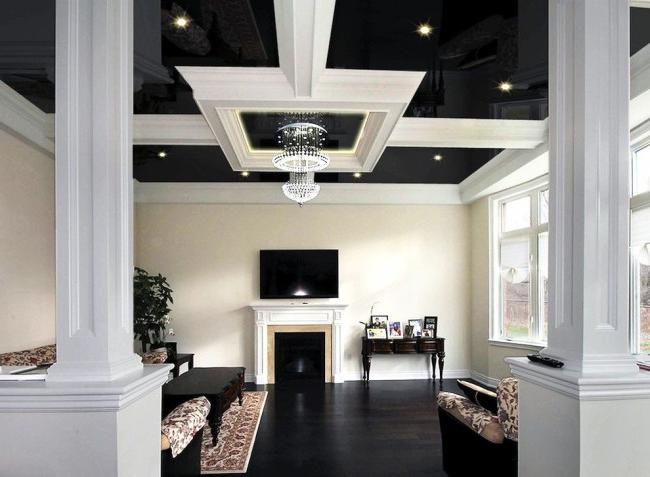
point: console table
(433, 346)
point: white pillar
(94, 192)
(586, 419)
(98, 412)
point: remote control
(546, 361)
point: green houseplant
(151, 298)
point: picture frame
(431, 323)
(408, 331)
(379, 321)
(376, 333)
(427, 333)
(395, 330)
(418, 326)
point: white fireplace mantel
(297, 314)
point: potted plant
(151, 298)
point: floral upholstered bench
(181, 435)
(41, 356)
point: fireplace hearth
(299, 357)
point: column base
(100, 429)
(94, 372)
(571, 424)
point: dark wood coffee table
(221, 386)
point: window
(640, 250)
(519, 284)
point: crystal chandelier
(301, 187)
(302, 144)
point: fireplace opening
(299, 357)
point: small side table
(182, 358)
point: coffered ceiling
(420, 97)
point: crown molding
(20, 117)
(172, 129)
(271, 193)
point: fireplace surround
(298, 318)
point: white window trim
(494, 221)
(640, 139)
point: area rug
(236, 437)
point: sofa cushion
(180, 425)
(40, 356)
(154, 357)
(507, 400)
(484, 397)
(473, 416)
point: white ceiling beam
(173, 129)
(303, 29)
(468, 133)
(508, 169)
(20, 117)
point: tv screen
(299, 273)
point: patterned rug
(236, 437)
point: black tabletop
(201, 381)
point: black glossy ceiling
(403, 165)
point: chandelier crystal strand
(302, 144)
(301, 187)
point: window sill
(517, 344)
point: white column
(261, 347)
(581, 420)
(98, 412)
(337, 344)
(94, 195)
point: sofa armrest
(508, 404)
(473, 416)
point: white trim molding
(484, 379)
(380, 375)
(271, 193)
(172, 129)
(20, 117)
(298, 314)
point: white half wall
(26, 245)
(413, 259)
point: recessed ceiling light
(181, 22)
(505, 86)
(245, 173)
(162, 154)
(424, 30)
(356, 175)
(437, 157)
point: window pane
(644, 303)
(516, 214)
(543, 284)
(543, 207)
(641, 171)
(515, 286)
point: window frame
(533, 189)
(638, 202)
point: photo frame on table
(417, 327)
(408, 332)
(395, 330)
(376, 333)
(379, 321)
(431, 323)
(427, 333)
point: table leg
(433, 366)
(240, 390)
(366, 367)
(441, 362)
(215, 426)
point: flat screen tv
(299, 273)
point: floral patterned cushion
(472, 415)
(183, 422)
(31, 357)
(154, 357)
(507, 401)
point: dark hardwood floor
(387, 429)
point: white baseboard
(406, 375)
(484, 379)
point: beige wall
(26, 245)
(486, 359)
(415, 260)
